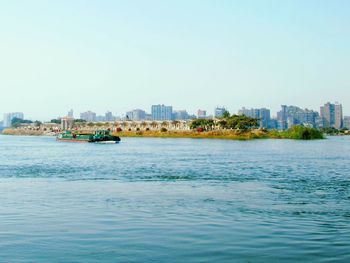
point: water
(174, 200)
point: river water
(174, 200)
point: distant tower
(71, 114)
(332, 115)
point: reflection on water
(174, 200)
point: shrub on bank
(298, 133)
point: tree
(57, 121)
(37, 123)
(80, 120)
(226, 114)
(16, 122)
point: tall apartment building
(109, 116)
(262, 114)
(181, 115)
(346, 123)
(70, 114)
(332, 115)
(136, 115)
(162, 112)
(88, 116)
(8, 117)
(289, 116)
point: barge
(101, 136)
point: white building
(8, 117)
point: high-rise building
(162, 112)
(100, 118)
(262, 114)
(219, 111)
(201, 114)
(88, 116)
(181, 115)
(109, 116)
(346, 123)
(8, 117)
(70, 114)
(136, 115)
(289, 116)
(332, 115)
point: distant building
(100, 118)
(290, 116)
(148, 117)
(162, 112)
(181, 115)
(262, 114)
(109, 116)
(332, 115)
(88, 116)
(70, 114)
(136, 115)
(8, 117)
(67, 123)
(346, 123)
(201, 114)
(219, 111)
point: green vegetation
(16, 122)
(334, 131)
(57, 121)
(297, 133)
(227, 121)
(79, 120)
(205, 124)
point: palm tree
(154, 124)
(143, 124)
(175, 123)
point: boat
(100, 136)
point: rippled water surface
(174, 200)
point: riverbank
(21, 132)
(296, 133)
(230, 135)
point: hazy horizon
(118, 55)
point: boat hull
(103, 137)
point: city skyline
(192, 54)
(148, 110)
(328, 115)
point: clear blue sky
(118, 55)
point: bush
(200, 129)
(304, 133)
(163, 129)
(147, 129)
(119, 129)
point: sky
(192, 54)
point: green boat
(101, 136)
